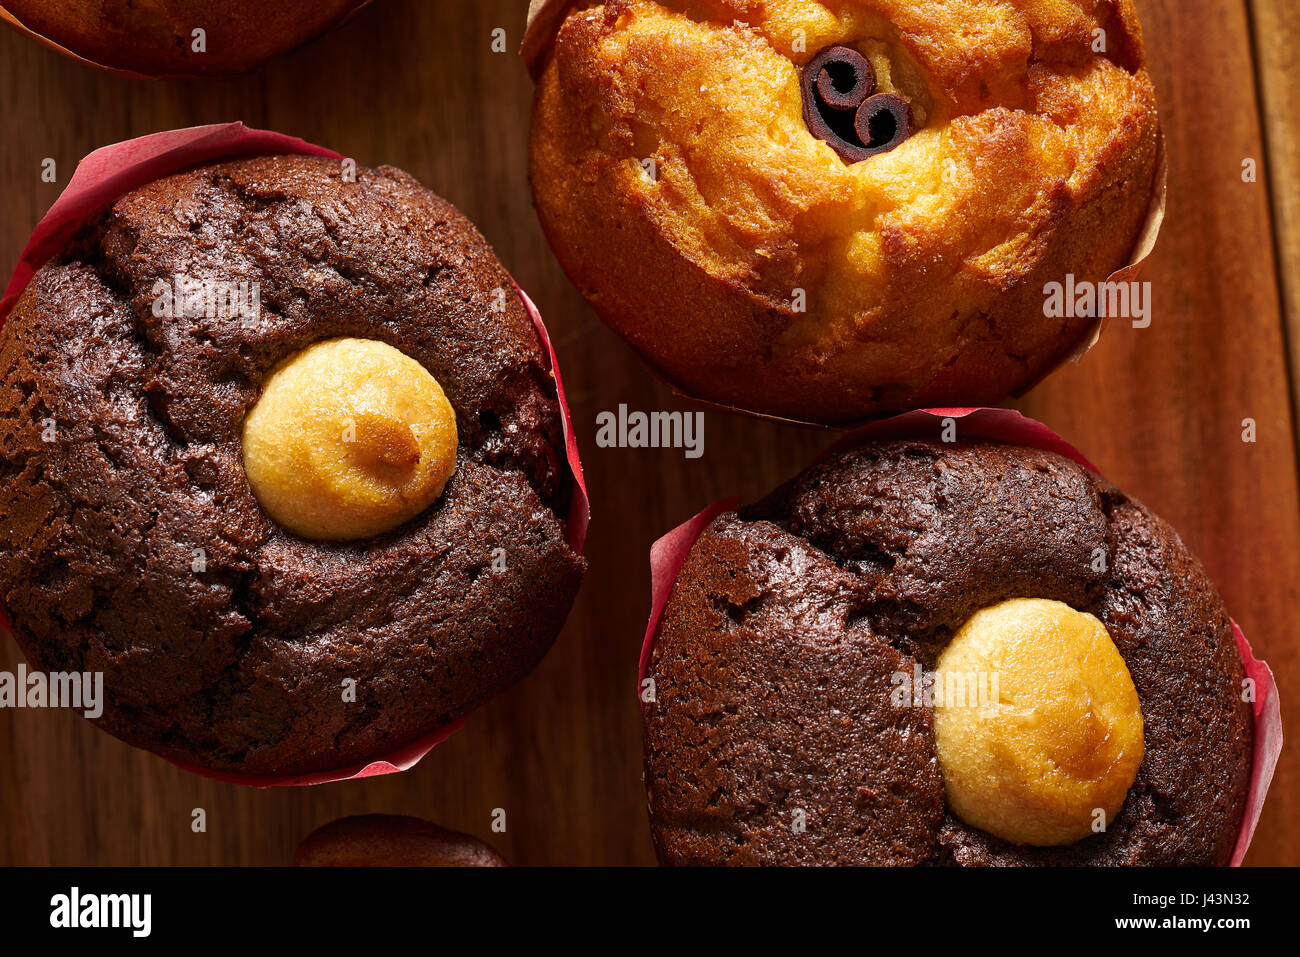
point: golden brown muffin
(392, 840)
(920, 271)
(156, 37)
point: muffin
(158, 38)
(283, 459)
(964, 653)
(857, 204)
(392, 840)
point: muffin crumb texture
(670, 151)
(131, 542)
(792, 663)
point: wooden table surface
(415, 83)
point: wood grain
(1276, 26)
(416, 84)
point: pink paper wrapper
(111, 171)
(668, 554)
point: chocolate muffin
(856, 204)
(805, 710)
(282, 457)
(159, 38)
(392, 840)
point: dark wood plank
(415, 84)
(1277, 53)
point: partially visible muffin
(158, 38)
(686, 195)
(300, 636)
(392, 840)
(798, 674)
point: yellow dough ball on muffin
(1037, 723)
(350, 438)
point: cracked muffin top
(133, 543)
(672, 149)
(157, 37)
(778, 733)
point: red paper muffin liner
(111, 171)
(668, 554)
